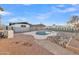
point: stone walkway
(54, 48)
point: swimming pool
(42, 33)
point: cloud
(60, 6)
(77, 14)
(63, 9)
(69, 10)
(27, 4)
(18, 19)
(75, 5)
(43, 16)
(5, 13)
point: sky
(47, 14)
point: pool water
(42, 33)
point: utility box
(9, 33)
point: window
(23, 25)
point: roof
(19, 23)
(39, 25)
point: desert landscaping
(32, 35)
(21, 45)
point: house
(37, 27)
(20, 26)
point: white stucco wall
(18, 28)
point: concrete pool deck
(40, 36)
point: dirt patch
(22, 45)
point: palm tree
(1, 9)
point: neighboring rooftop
(39, 25)
(19, 23)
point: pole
(0, 21)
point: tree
(1, 9)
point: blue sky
(39, 13)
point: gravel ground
(21, 45)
